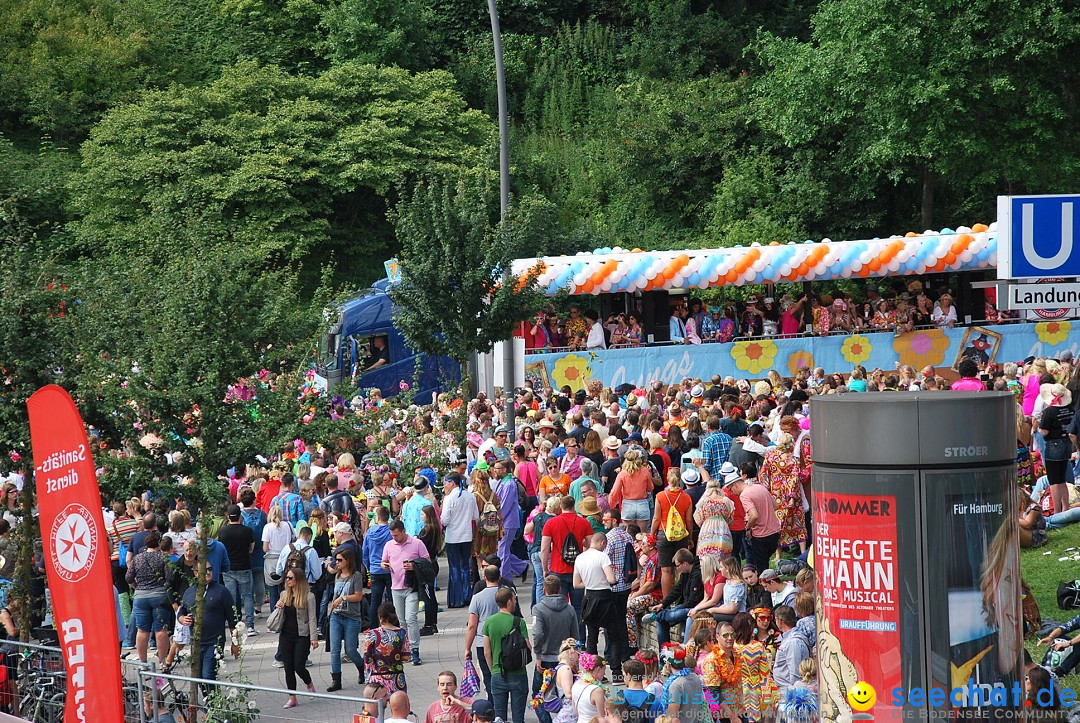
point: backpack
(790, 566)
(297, 559)
(674, 528)
(489, 522)
(639, 713)
(549, 697)
(1068, 595)
(1055, 658)
(571, 548)
(630, 565)
(514, 654)
(250, 519)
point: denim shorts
(635, 509)
(152, 613)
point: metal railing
(162, 690)
(799, 335)
(42, 682)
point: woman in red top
(673, 496)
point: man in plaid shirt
(619, 544)
(715, 447)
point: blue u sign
(1035, 237)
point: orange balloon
(874, 265)
(587, 287)
(803, 269)
(910, 234)
(980, 227)
(950, 259)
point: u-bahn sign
(1035, 237)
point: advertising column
(916, 550)
(76, 554)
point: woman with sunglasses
(299, 630)
(755, 663)
(345, 606)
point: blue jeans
(459, 592)
(238, 583)
(538, 578)
(344, 630)
(275, 593)
(258, 585)
(665, 619)
(513, 689)
(1067, 517)
(209, 662)
(380, 588)
(151, 613)
(485, 671)
(324, 603)
(577, 596)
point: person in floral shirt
(647, 593)
(721, 674)
(385, 651)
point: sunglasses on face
(290, 577)
(339, 559)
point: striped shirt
(122, 528)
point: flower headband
(646, 657)
(589, 661)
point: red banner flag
(76, 557)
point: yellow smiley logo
(862, 696)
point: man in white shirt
(459, 515)
(596, 338)
(593, 573)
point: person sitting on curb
(688, 592)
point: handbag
(470, 681)
(276, 621)
(122, 549)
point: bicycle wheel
(54, 708)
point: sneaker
(252, 632)
(279, 664)
(426, 630)
(648, 617)
(417, 661)
(290, 704)
(617, 678)
(311, 688)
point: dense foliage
(193, 179)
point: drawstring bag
(675, 527)
(470, 681)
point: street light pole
(504, 207)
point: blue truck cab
(362, 332)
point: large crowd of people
(665, 527)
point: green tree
(63, 65)
(919, 97)
(452, 300)
(160, 343)
(273, 166)
(35, 329)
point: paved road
(444, 651)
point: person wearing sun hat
(589, 508)
(1054, 424)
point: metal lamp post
(504, 207)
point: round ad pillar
(916, 549)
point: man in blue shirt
(715, 447)
(374, 542)
(218, 615)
